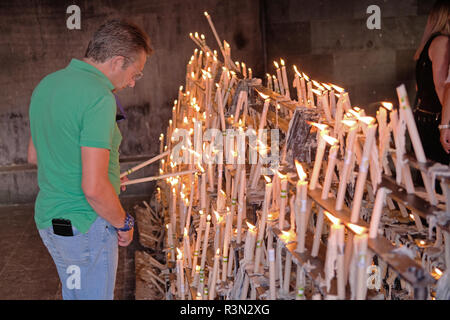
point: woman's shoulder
(439, 45)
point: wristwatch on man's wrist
(128, 223)
(443, 126)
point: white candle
(212, 291)
(241, 203)
(330, 169)
(272, 288)
(303, 89)
(285, 80)
(362, 174)
(331, 254)
(198, 239)
(301, 204)
(318, 161)
(180, 275)
(204, 250)
(226, 243)
(359, 259)
(279, 77)
(377, 212)
(262, 226)
(250, 240)
(283, 199)
(347, 167)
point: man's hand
(445, 139)
(125, 237)
(122, 180)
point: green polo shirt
(71, 108)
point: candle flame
(268, 180)
(301, 173)
(296, 71)
(265, 97)
(367, 120)
(357, 229)
(332, 218)
(276, 64)
(338, 89)
(185, 232)
(330, 140)
(320, 126)
(250, 226)
(305, 76)
(318, 85)
(205, 13)
(387, 105)
(349, 123)
(180, 254)
(280, 175)
(217, 251)
(438, 272)
(422, 242)
(282, 62)
(317, 92)
(328, 87)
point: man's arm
(99, 191)
(32, 156)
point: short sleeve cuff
(95, 144)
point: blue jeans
(86, 262)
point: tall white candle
(377, 212)
(283, 199)
(285, 80)
(362, 174)
(301, 204)
(272, 288)
(212, 291)
(262, 226)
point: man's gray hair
(118, 38)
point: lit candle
(279, 77)
(310, 96)
(285, 80)
(359, 261)
(212, 292)
(276, 87)
(362, 174)
(204, 250)
(348, 161)
(180, 274)
(241, 203)
(301, 197)
(296, 85)
(197, 242)
(269, 81)
(331, 254)
(250, 239)
(226, 243)
(339, 110)
(318, 160)
(262, 224)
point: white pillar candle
(204, 251)
(197, 242)
(180, 275)
(303, 89)
(226, 243)
(318, 161)
(362, 174)
(360, 251)
(272, 288)
(279, 77)
(347, 167)
(285, 80)
(301, 204)
(377, 212)
(283, 199)
(241, 203)
(250, 240)
(296, 85)
(340, 236)
(332, 157)
(212, 290)
(262, 226)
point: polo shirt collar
(84, 66)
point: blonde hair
(438, 21)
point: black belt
(426, 115)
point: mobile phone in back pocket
(62, 227)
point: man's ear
(116, 63)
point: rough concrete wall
(329, 40)
(35, 42)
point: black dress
(428, 108)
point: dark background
(328, 40)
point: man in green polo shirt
(75, 144)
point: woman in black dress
(431, 72)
